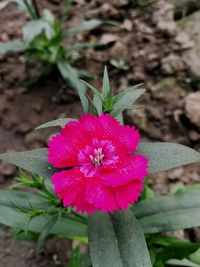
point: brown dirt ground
(142, 44)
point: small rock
(108, 11)
(108, 38)
(37, 107)
(7, 169)
(172, 64)
(183, 40)
(194, 136)
(192, 107)
(176, 173)
(127, 25)
(119, 51)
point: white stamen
(97, 160)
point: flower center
(97, 159)
(98, 154)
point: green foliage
(115, 243)
(114, 239)
(164, 248)
(165, 156)
(43, 42)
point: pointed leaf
(98, 104)
(70, 75)
(183, 263)
(45, 232)
(12, 218)
(129, 98)
(63, 227)
(117, 242)
(33, 161)
(106, 84)
(93, 89)
(85, 25)
(124, 93)
(172, 213)
(55, 123)
(165, 156)
(12, 47)
(22, 199)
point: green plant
(133, 237)
(43, 42)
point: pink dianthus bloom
(102, 171)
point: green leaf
(184, 263)
(165, 156)
(75, 259)
(125, 92)
(45, 232)
(33, 161)
(98, 104)
(173, 248)
(12, 47)
(172, 213)
(55, 123)
(125, 101)
(85, 25)
(195, 257)
(70, 75)
(64, 227)
(117, 242)
(34, 28)
(14, 219)
(93, 89)
(106, 90)
(22, 199)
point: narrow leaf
(63, 227)
(131, 240)
(117, 242)
(165, 156)
(93, 89)
(106, 84)
(129, 98)
(55, 123)
(33, 161)
(70, 75)
(164, 214)
(45, 232)
(85, 25)
(12, 47)
(183, 263)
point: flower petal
(128, 194)
(68, 185)
(127, 169)
(100, 196)
(124, 138)
(62, 152)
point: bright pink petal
(62, 152)
(68, 185)
(82, 205)
(100, 196)
(74, 131)
(128, 194)
(124, 138)
(127, 169)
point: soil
(145, 40)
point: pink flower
(100, 171)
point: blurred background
(154, 42)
